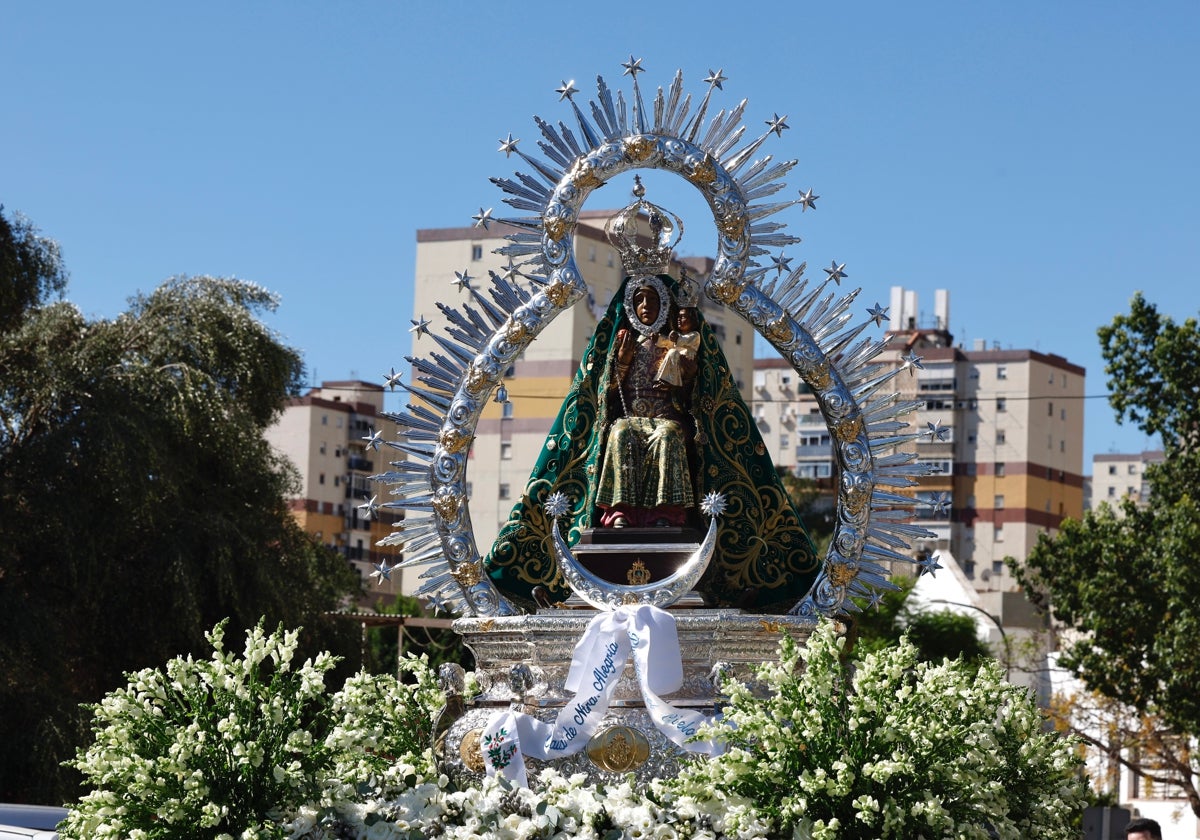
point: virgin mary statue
(630, 448)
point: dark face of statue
(685, 321)
(645, 305)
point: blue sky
(1038, 160)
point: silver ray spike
(675, 129)
(463, 330)
(895, 459)
(554, 146)
(585, 128)
(494, 313)
(920, 468)
(669, 113)
(601, 121)
(880, 498)
(884, 537)
(729, 142)
(886, 427)
(792, 290)
(424, 558)
(702, 110)
(866, 374)
(748, 180)
(439, 583)
(639, 107)
(536, 197)
(721, 136)
(454, 349)
(881, 553)
(569, 138)
(551, 175)
(622, 116)
(894, 410)
(519, 250)
(523, 222)
(434, 399)
(738, 159)
(410, 421)
(900, 534)
(883, 443)
(765, 190)
(401, 482)
(769, 240)
(754, 180)
(869, 386)
(441, 370)
(417, 450)
(802, 306)
(660, 105)
(862, 353)
(612, 128)
(835, 317)
(839, 344)
(761, 211)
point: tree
(1125, 580)
(141, 503)
(936, 634)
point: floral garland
(884, 748)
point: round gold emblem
(618, 749)
(469, 752)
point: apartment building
(327, 435)
(1004, 427)
(511, 434)
(1120, 476)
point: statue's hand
(626, 347)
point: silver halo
(664, 303)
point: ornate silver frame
(809, 328)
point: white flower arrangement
(887, 748)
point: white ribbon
(645, 631)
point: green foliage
(437, 645)
(936, 634)
(890, 747)
(142, 505)
(31, 269)
(1127, 579)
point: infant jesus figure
(682, 346)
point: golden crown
(644, 234)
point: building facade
(326, 434)
(510, 435)
(1004, 427)
(1116, 477)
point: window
(944, 467)
(1001, 404)
(321, 479)
(737, 337)
(1050, 409)
(999, 468)
(476, 252)
(322, 447)
(1062, 446)
(591, 253)
(998, 536)
(324, 419)
(998, 501)
(505, 491)
(1112, 492)
(506, 451)
(1002, 371)
(470, 489)
(506, 411)
(337, 479)
(783, 442)
(1112, 469)
(785, 380)
(610, 259)
(1133, 469)
(1000, 437)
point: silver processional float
(612, 682)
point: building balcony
(359, 464)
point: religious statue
(652, 422)
(645, 476)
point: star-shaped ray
(370, 508)
(928, 564)
(836, 272)
(808, 200)
(633, 66)
(778, 124)
(391, 380)
(715, 78)
(483, 218)
(912, 362)
(936, 431)
(567, 90)
(463, 279)
(420, 326)
(878, 314)
(781, 263)
(374, 439)
(508, 145)
(382, 572)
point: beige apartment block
(1006, 429)
(1116, 477)
(326, 435)
(510, 435)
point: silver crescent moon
(605, 595)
